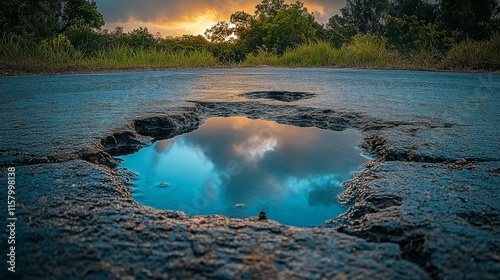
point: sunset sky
(178, 17)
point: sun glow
(172, 19)
(190, 25)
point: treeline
(406, 33)
(417, 34)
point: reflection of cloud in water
(261, 164)
(254, 149)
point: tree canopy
(46, 18)
(469, 18)
(275, 26)
(406, 26)
(291, 26)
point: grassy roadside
(371, 52)
(367, 51)
(59, 56)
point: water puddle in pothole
(238, 167)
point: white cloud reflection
(292, 173)
(254, 148)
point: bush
(124, 56)
(261, 58)
(409, 34)
(473, 55)
(314, 54)
(26, 52)
(366, 51)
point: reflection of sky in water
(238, 167)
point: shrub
(474, 55)
(366, 51)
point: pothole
(238, 167)
(285, 96)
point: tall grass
(124, 56)
(261, 58)
(313, 54)
(59, 53)
(18, 51)
(424, 59)
(366, 51)
(363, 51)
(473, 55)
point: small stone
(262, 215)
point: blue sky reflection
(238, 167)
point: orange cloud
(175, 18)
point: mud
(422, 209)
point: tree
(339, 31)
(422, 9)
(468, 18)
(269, 8)
(47, 18)
(409, 34)
(219, 33)
(140, 37)
(367, 15)
(275, 26)
(249, 31)
(291, 26)
(242, 22)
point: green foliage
(268, 8)
(339, 32)
(474, 55)
(262, 58)
(422, 9)
(290, 27)
(189, 43)
(46, 18)
(275, 26)
(58, 52)
(140, 38)
(366, 51)
(219, 33)
(86, 40)
(124, 56)
(53, 52)
(367, 15)
(472, 19)
(242, 22)
(413, 34)
(312, 54)
(409, 34)
(228, 53)
(423, 59)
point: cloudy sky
(178, 17)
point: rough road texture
(426, 207)
(87, 225)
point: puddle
(238, 167)
(285, 96)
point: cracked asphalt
(426, 207)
